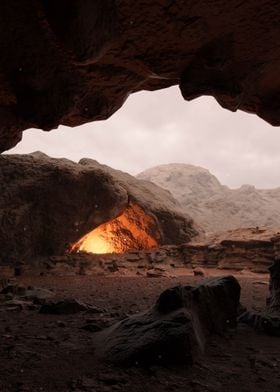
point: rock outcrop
(268, 321)
(213, 206)
(72, 62)
(176, 328)
(240, 250)
(48, 204)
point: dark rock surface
(68, 306)
(48, 204)
(175, 328)
(14, 297)
(27, 293)
(273, 301)
(268, 320)
(71, 62)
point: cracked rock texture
(48, 204)
(75, 61)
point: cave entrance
(132, 230)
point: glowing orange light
(134, 229)
(96, 242)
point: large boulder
(75, 61)
(176, 328)
(48, 204)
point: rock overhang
(48, 204)
(72, 62)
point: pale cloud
(160, 127)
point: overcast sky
(160, 127)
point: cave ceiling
(76, 61)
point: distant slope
(213, 206)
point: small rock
(199, 272)
(38, 294)
(133, 257)
(156, 274)
(68, 306)
(16, 304)
(260, 282)
(157, 257)
(113, 267)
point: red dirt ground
(54, 353)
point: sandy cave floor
(54, 353)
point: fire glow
(132, 230)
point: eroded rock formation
(47, 204)
(74, 61)
(175, 328)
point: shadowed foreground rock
(273, 301)
(268, 321)
(48, 204)
(176, 328)
(75, 61)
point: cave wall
(47, 204)
(75, 61)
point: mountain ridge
(213, 206)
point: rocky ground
(54, 352)
(241, 250)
